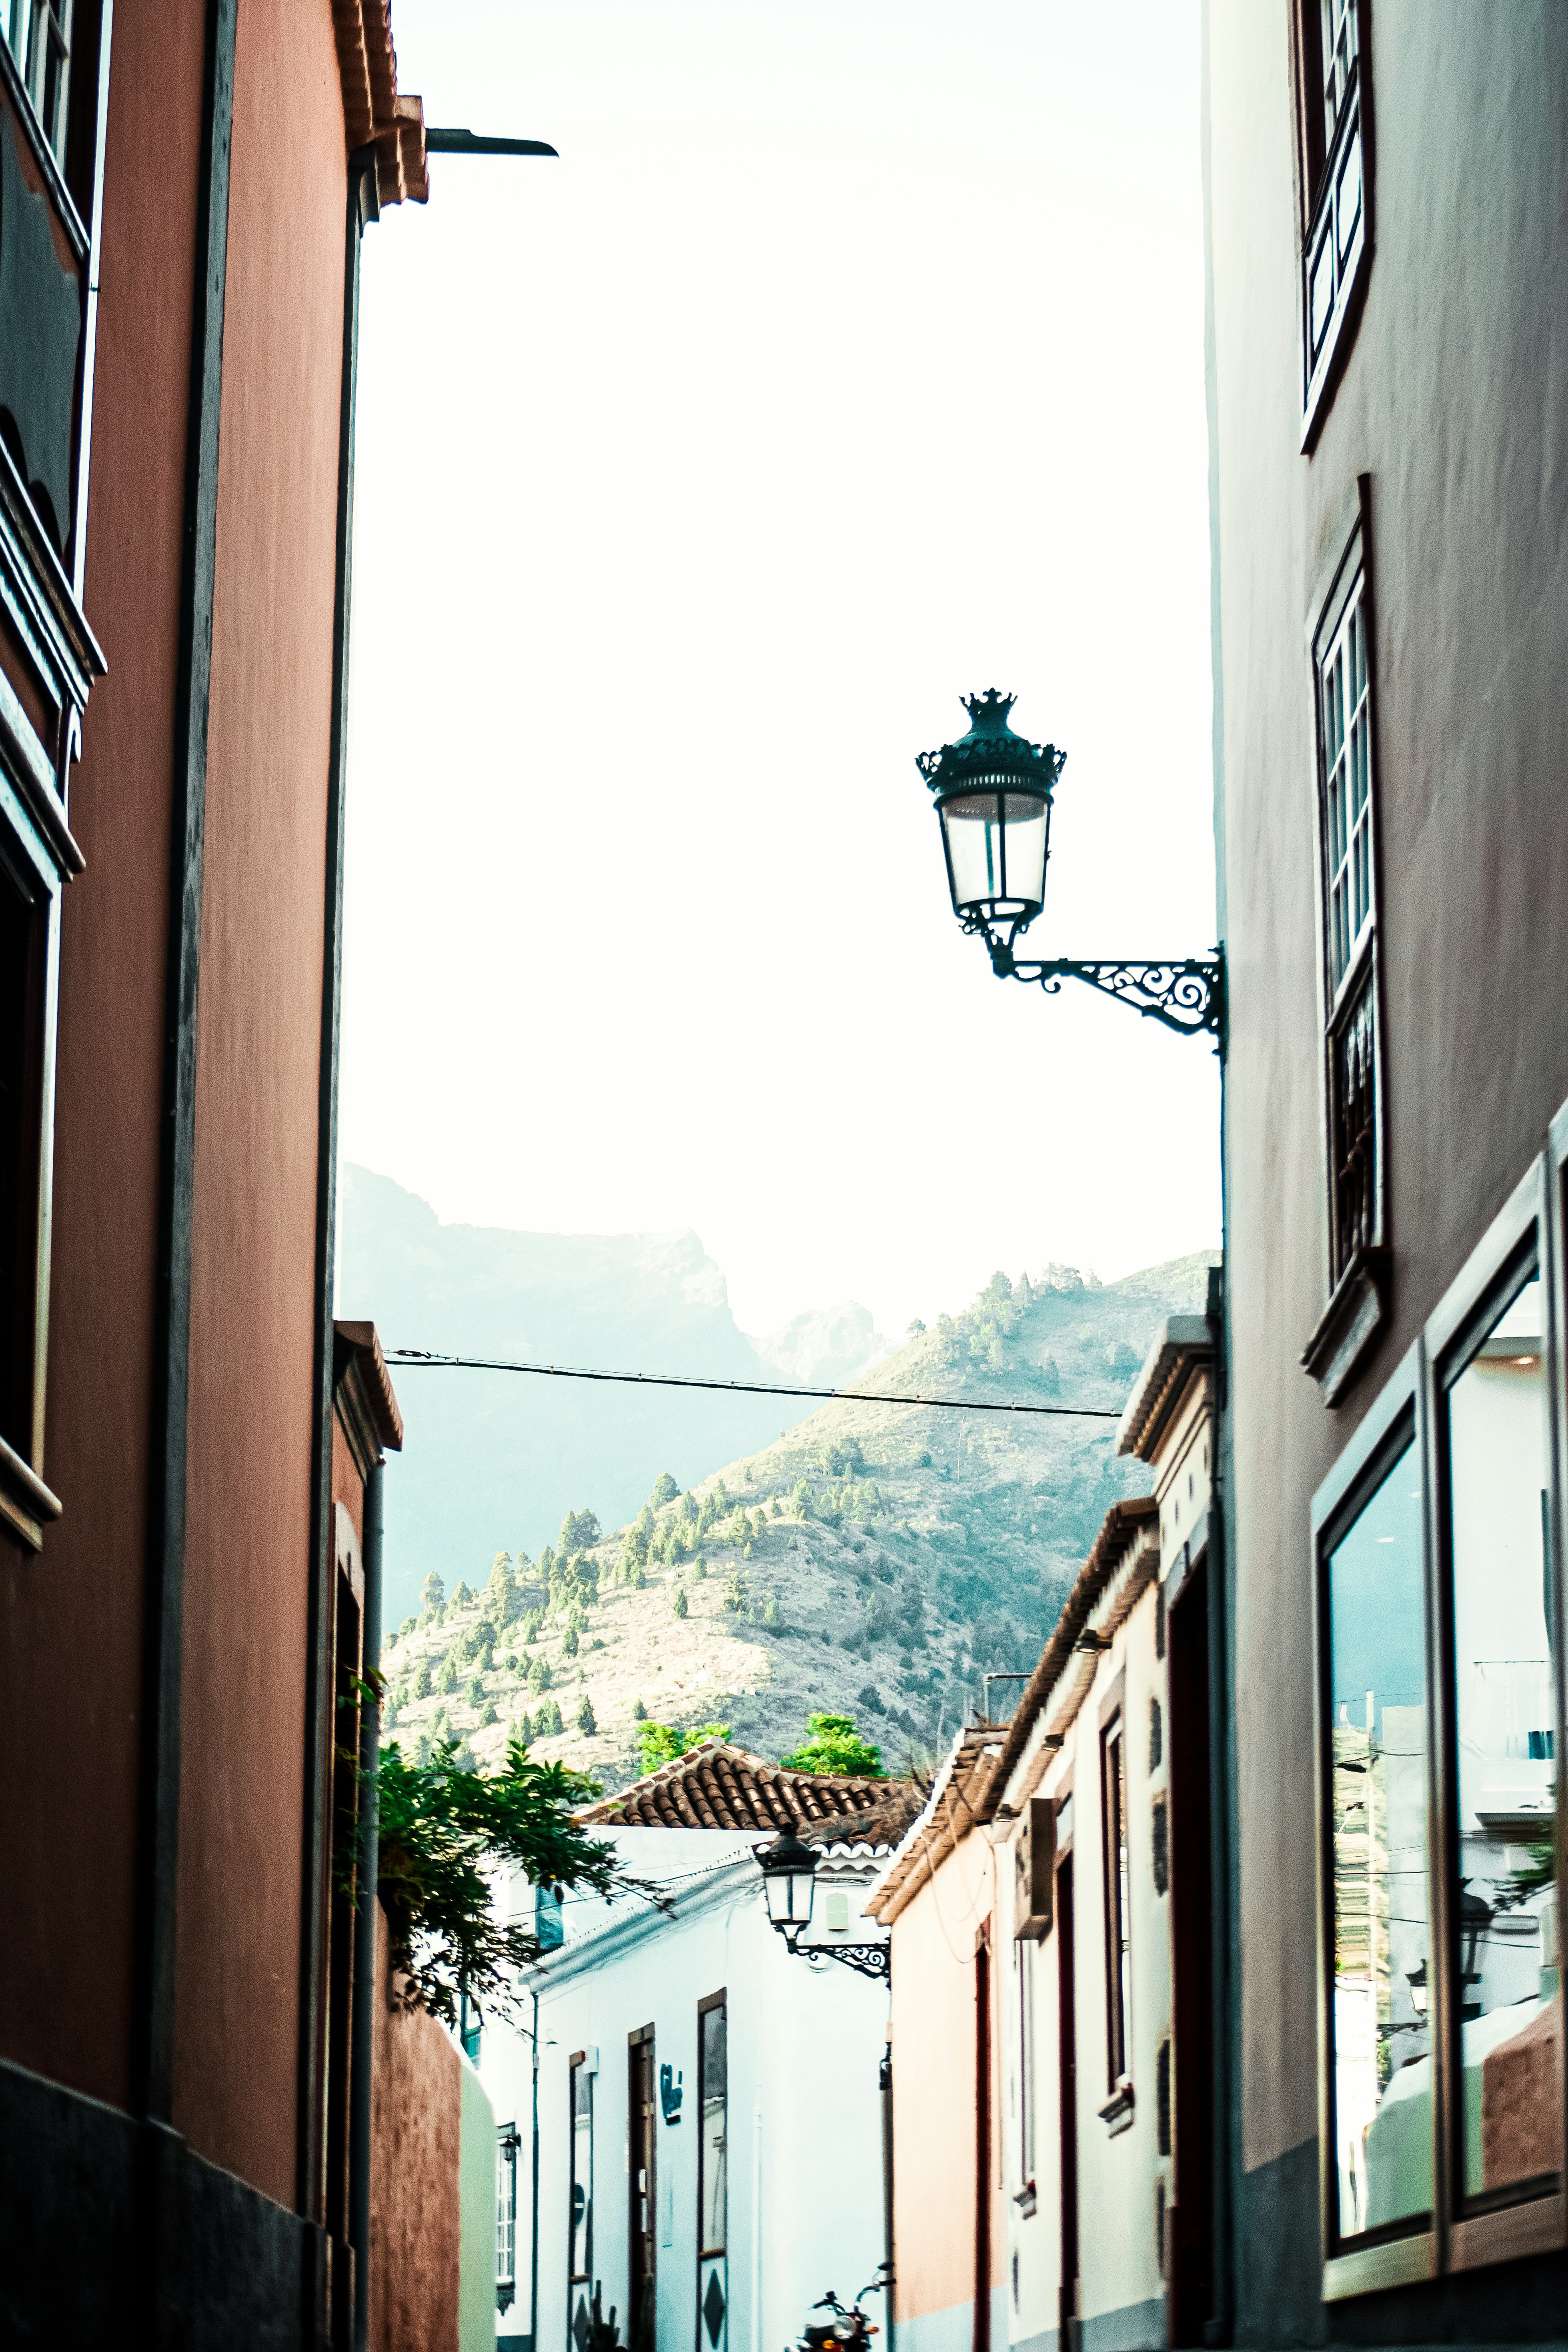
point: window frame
(1116, 1890)
(1356, 1268)
(1324, 164)
(714, 2000)
(1532, 1225)
(579, 2064)
(506, 2146)
(26, 1504)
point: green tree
(569, 1642)
(433, 1593)
(661, 1743)
(443, 1827)
(739, 1528)
(700, 1568)
(679, 1604)
(489, 1715)
(447, 1680)
(639, 1713)
(422, 1679)
(579, 1532)
(665, 1490)
(771, 1610)
(833, 1745)
(475, 1693)
(539, 1674)
(547, 1723)
(735, 1593)
(462, 1598)
(586, 1714)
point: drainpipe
(362, 2050)
(885, 2084)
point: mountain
(876, 1560)
(826, 1348)
(498, 1458)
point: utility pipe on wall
(362, 2046)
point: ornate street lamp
(789, 1878)
(993, 793)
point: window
(1347, 814)
(1117, 1923)
(712, 2172)
(1501, 1867)
(38, 33)
(29, 935)
(506, 2216)
(581, 2261)
(1332, 107)
(1023, 1955)
(1377, 1810)
(1440, 1727)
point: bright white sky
(850, 359)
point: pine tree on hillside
(679, 1604)
(665, 1490)
(585, 1716)
(433, 1593)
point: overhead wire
(418, 1358)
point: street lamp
(789, 1878)
(993, 793)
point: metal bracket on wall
(1186, 995)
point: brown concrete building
(1386, 188)
(182, 189)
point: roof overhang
(1184, 1345)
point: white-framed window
(506, 2216)
(38, 34)
(1338, 55)
(1347, 787)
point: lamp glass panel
(1381, 2054)
(1503, 1894)
(996, 849)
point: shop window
(1502, 1895)
(1440, 1729)
(1378, 2024)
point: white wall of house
(805, 2136)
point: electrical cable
(415, 1359)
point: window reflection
(1505, 1713)
(1377, 1673)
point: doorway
(1066, 2027)
(642, 2237)
(1190, 2264)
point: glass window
(1118, 1924)
(1338, 57)
(38, 33)
(1347, 765)
(549, 1917)
(1023, 1955)
(711, 2154)
(1377, 1744)
(581, 2172)
(506, 2216)
(1502, 1888)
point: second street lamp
(993, 793)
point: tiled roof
(717, 1787)
(373, 110)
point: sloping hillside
(874, 1559)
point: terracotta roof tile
(718, 1787)
(373, 111)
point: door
(1190, 2300)
(1068, 2079)
(642, 2282)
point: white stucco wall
(804, 2114)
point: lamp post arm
(867, 1959)
(471, 142)
(1187, 993)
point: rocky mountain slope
(874, 1559)
(495, 1457)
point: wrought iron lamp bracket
(867, 1959)
(1185, 993)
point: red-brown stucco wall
(416, 2221)
(71, 1617)
(248, 1560)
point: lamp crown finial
(988, 711)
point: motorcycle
(848, 2330)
